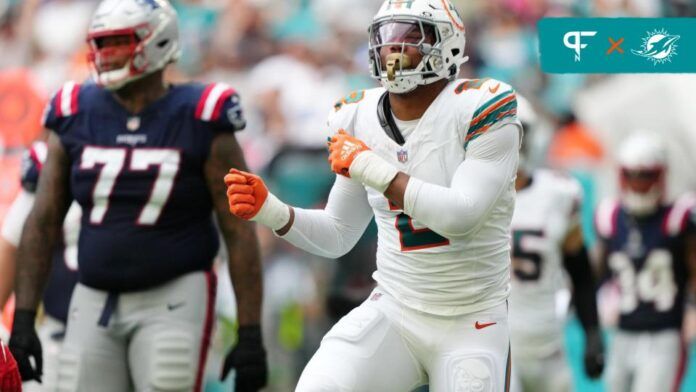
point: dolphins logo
(658, 47)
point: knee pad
(68, 371)
(363, 329)
(174, 362)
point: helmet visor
(402, 32)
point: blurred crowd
(290, 60)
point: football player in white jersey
(547, 237)
(433, 159)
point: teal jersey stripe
(505, 111)
(491, 102)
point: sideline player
(63, 276)
(434, 159)
(144, 160)
(646, 246)
(547, 237)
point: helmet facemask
(642, 189)
(116, 56)
(395, 46)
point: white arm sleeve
(335, 230)
(16, 216)
(489, 168)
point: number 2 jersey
(139, 178)
(422, 269)
(647, 257)
(545, 211)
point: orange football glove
(246, 193)
(343, 148)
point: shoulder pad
(65, 100)
(64, 103)
(353, 97)
(32, 163)
(677, 217)
(497, 104)
(342, 115)
(567, 184)
(605, 217)
(216, 97)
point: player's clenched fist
(249, 199)
(246, 193)
(351, 157)
(343, 148)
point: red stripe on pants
(681, 368)
(211, 282)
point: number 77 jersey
(139, 178)
(647, 258)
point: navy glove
(248, 357)
(25, 343)
(594, 353)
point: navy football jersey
(646, 256)
(63, 276)
(139, 178)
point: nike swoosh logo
(484, 325)
(175, 306)
(494, 90)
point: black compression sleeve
(584, 288)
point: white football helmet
(642, 162)
(150, 39)
(432, 26)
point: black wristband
(249, 333)
(24, 319)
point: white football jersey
(545, 211)
(420, 268)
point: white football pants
(155, 340)
(646, 361)
(546, 374)
(384, 346)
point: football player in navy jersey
(648, 249)
(145, 161)
(63, 276)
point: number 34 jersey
(646, 257)
(139, 178)
(545, 211)
(422, 269)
